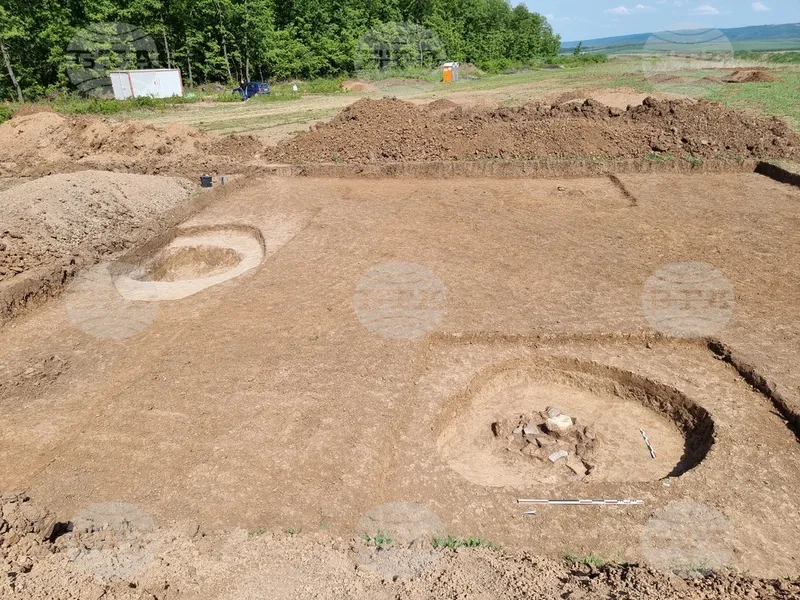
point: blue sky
(588, 19)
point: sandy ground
(353, 368)
(50, 219)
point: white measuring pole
(582, 502)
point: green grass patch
(7, 110)
(379, 539)
(692, 160)
(457, 542)
(428, 75)
(74, 105)
(658, 157)
(778, 58)
(778, 98)
(258, 532)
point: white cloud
(705, 9)
(760, 7)
(625, 11)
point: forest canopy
(228, 40)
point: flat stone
(553, 412)
(556, 456)
(560, 424)
(576, 466)
(530, 429)
(544, 441)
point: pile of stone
(552, 438)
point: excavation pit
(190, 263)
(499, 433)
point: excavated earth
(129, 559)
(391, 130)
(51, 219)
(46, 142)
(259, 420)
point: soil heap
(391, 130)
(45, 142)
(92, 213)
(749, 77)
(115, 559)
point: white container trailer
(154, 83)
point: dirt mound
(667, 78)
(48, 220)
(441, 105)
(392, 130)
(45, 142)
(354, 85)
(25, 532)
(33, 109)
(117, 553)
(749, 77)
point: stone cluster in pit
(552, 438)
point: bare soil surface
(278, 400)
(46, 221)
(393, 130)
(45, 142)
(115, 552)
(749, 76)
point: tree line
(229, 40)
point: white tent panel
(122, 85)
(155, 83)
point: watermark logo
(400, 300)
(100, 48)
(670, 56)
(403, 521)
(688, 538)
(111, 541)
(96, 307)
(399, 45)
(688, 300)
(397, 540)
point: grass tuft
(379, 539)
(457, 542)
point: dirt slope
(45, 142)
(52, 218)
(127, 558)
(393, 130)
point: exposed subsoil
(390, 130)
(48, 220)
(45, 142)
(117, 554)
(544, 307)
(749, 76)
(364, 423)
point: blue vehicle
(252, 88)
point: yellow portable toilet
(450, 72)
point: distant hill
(756, 37)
